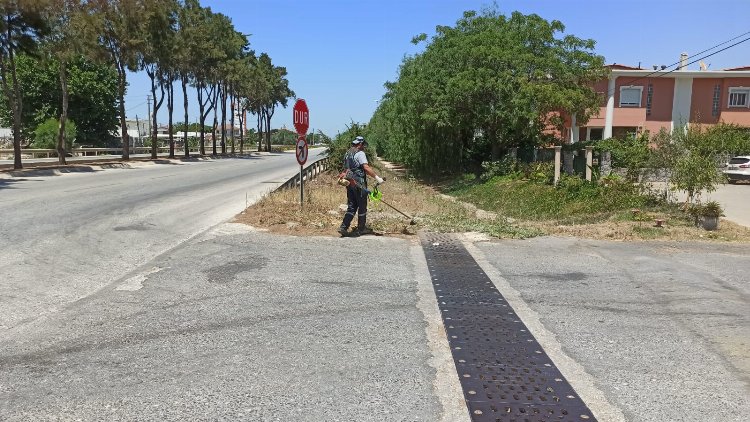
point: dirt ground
(325, 204)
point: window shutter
(630, 96)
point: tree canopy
(488, 83)
(80, 52)
(93, 97)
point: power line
(709, 55)
(694, 61)
(134, 107)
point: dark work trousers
(356, 199)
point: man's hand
(379, 179)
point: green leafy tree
(46, 135)
(694, 173)
(156, 56)
(490, 82)
(687, 160)
(92, 96)
(22, 24)
(118, 26)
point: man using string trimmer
(354, 177)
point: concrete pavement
(736, 202)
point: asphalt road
(64, 236)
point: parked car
(738, 168)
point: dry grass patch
(325, 205)
(631, 230)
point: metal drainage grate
(505, 374)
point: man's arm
(371, 173)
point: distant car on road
(738, 168)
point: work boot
(342, 231)
(364, 230)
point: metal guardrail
(308, 173)
(79, 152)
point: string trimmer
(377, 196)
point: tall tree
(267, 89)
(92, 96)
(119, 26)
(156, 56)
(190, 20)
(65, 42)
(514, 77)
(21, 27)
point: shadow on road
(52, 171)
(8, 183)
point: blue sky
(339, 53)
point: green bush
(540, 172)
(507, 166)
(632, 153)
(45, 135)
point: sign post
(301, 153)
(301, 116)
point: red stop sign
(301, 117)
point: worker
(357, 169)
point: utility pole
(137, 127)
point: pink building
(638, 100)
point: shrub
(712, 209)
(507, 166)
(632, 154)
(45, 135)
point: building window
(738, 97)
(649, 97)
(717, 100)
(630, 96)
(595, 134)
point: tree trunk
(217, 94)
(224, 120)
(170, 109)
(157, 106)
(121, 79)
(260, 131)
(269, 115)
(152, 76)
(231, 118)
(201, 110)
(63, 113)
(242, 134)
(12, 94)
(495, 151)
(186, 144)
